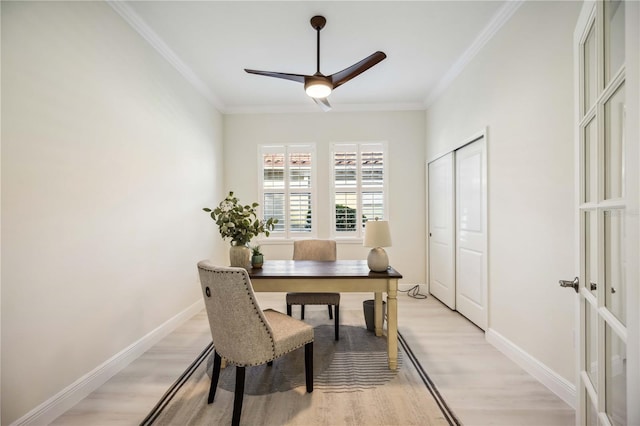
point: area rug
(352, 386)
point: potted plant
(257, 259)
(240, 224)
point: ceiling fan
(318, 86)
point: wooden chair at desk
(323, 250)
(242, 333)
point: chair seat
(288, 333)
(313, 298)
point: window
(359, 186)
(287, 188)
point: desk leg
(378, 313)
(392, 324)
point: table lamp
(377, 235)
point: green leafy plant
(239, 222)
(255, 250)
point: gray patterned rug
(352, 386)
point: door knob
(575, 283)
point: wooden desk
(341, 276)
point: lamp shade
(376, 234)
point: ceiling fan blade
(354, 70)
(323, 103)
(293, 77)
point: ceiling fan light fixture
(317, 88)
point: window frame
(359, 189)
(288, 190)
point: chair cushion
(288, 333)
(313, 298)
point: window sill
(272, 241)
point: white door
(607, 188)
(471, 232)
(441, 230)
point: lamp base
(378, 261)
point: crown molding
(141, 27)
(312, 108)
(497, 22)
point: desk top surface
(285, 269)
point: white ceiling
(211, 42)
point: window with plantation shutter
(287, 187)
(359, 186)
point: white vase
(240, 256)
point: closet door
(441, 230)
(471, 232)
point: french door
(605, 192)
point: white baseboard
(64, 400)
(564, 389)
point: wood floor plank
(479, 383)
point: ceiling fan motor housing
(317, 86)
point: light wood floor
(479, 384)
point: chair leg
(217, 361)
(330, 312)
(288, 309)
(239, 394)
(337, 308)
(302, 314)
(308, 366)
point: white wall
(520, 87)
(404, 133)
(108, 156)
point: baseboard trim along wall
(64, 400)
(564, 389)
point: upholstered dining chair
(242, 333)
(323, 250)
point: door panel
(441, 230)
(614, 145)
(616, 378)
(590, 236)
(607, 180)
(591, 360)
(468, 181)
(471, 273)
(614, 279)
(613, 37)
(590, 167)
(592, 414)
(467, 282)
(590, 81)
